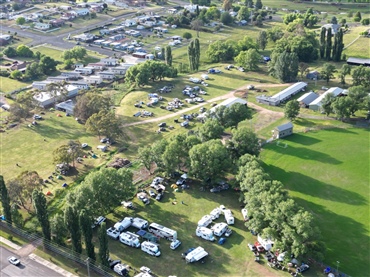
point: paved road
(28, 267)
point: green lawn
(8, 85)
(359, 49)
(26, 146)
(327, 172)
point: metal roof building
(358, 61)
(283, 95)
(316, 104)
(229, 102)
(307, 98)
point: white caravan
(113, 233)
(121, 269)
(150, 248)
(139, 223)
(219, 229)
(266, 243)
(196, 255)
(215, 213)
(129, 239)
(245, 214)
(205, 233)
(123, 224)
(162, 231)
(229, 217)
(205, 221)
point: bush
(357, 19)
(365, 21)
(10, 237)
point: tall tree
(227, 5)
(243, 14)
(249, 59)
(361, 76)
(72, 223)
(103, 243)
(168, 56)
(163, 53)
(48, 65)
(196, 54)
(75, 150)
(286, 67)
(209, 160)
(249, 3)
(244, 141)
(258, 4)
(41, 209)
(17, 217)
(58, 229)
(262, 40)
(292, 110)
(327, 72)
(338, 46)
(145, 155)
(62, 154)
(231, 116)
(303, 68)
(326, 103)
(191, 55)
(345, 70)
(196, 25)
(5, 201)
(104, 123)
(328, 47)
(85, 224)
(322, 42)
(211, 129)
(90, 103)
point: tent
(64, 185)
(48, 193)
(184, 176)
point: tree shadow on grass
(346, 240)
(313, 187)
(302, 139)
(304, 152)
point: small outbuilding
(283, 131)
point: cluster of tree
(21, 51)
(284, 66)
(194, 54)
(308, 19)
(141, 74)
(222, 51)
(361, 76)
(23, 105)
(346, 106)
(328, 50)
(77, 53)
(67, 153)
(202, 151)
(273, 214)
(90, 103)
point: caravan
(129, 239)
(196, 255)
(205, 233)
(229, 217)
(139, 223)
(121, 269)
(205, 221)
(123, 224)
(113, 233)
(219, 229)
(162, 231)
(215, 213)
(150, 248)
(266, 243)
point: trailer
(219, 229)
(215, 213)
(123, 224)
(196, 255)
(245, 214)
(229, 217)
(113, 233)
(205, 221)
(139, 223)
(129, 239)
(150, 248)
(205, 233)
(121, 269)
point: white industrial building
(229, 102)
(316, 104)
(46, 99)
(307, 98)
(283, 95)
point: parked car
(228, 232)
(252, 247)
(159, 196)
(303, 268)
(145, 269)
(143, 198)
(215, 189)
(183, 255)
(104, 140)
(184, 124)
(152, 193)
(175, 244)
(162, 124)
(38, 117)
(180, 181)
(14, 261)
(84, 145)
(241, 69)
(98, 221)
(113, 263)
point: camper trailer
(162, 231)
(139, 223)
(229, 217)
(113, 233)
(150, 248)
(102, 147)
(215, 213)
(121, 269)
(129, 239)
(123, 224)
(196, 255)
(266, 243)
(205, 233)
(219, 229)
(205, 221)
(245, 214)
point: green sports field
(327, 172)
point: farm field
(327, 172)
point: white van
(150, 248)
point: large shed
(283, 95)
(307, 98)
(282, 130)
(229, 102)
(358, 61)
(316, 104)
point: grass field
(8, 85)
(327, 172)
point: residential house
(56, 23)
(117, 37)
(78, 65)
(313, 75)
(121, 4)
(94, 79)
(85, 70)
(82, 12)
(107, 75)
(86, 37)
(130, 22)
(109, 61)
(68, 16)
(97, 66)
(66, 106)
(104, 32)
(40, 85)
(96, 8)
(282, 130)
(42, 26)
(81, 5)
(81, 84)
(57, 79)
(5, 37)
(118, 70)
(72, 75)
(45, 99)
(65, 8)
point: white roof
(229, 102)
(334, 90)
(290, 90)
(308, 97)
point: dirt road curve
(230, 94)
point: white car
(14, 261)
(84, 145)
(145, 269)
(175, 244)
(157, 48)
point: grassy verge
(12, 237)
(333, 185)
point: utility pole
(88, 266)
(338, 268)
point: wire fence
(324, 268)
(68, 253)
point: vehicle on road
(14, 261)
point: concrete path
(27, 251)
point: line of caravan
(162, 231)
